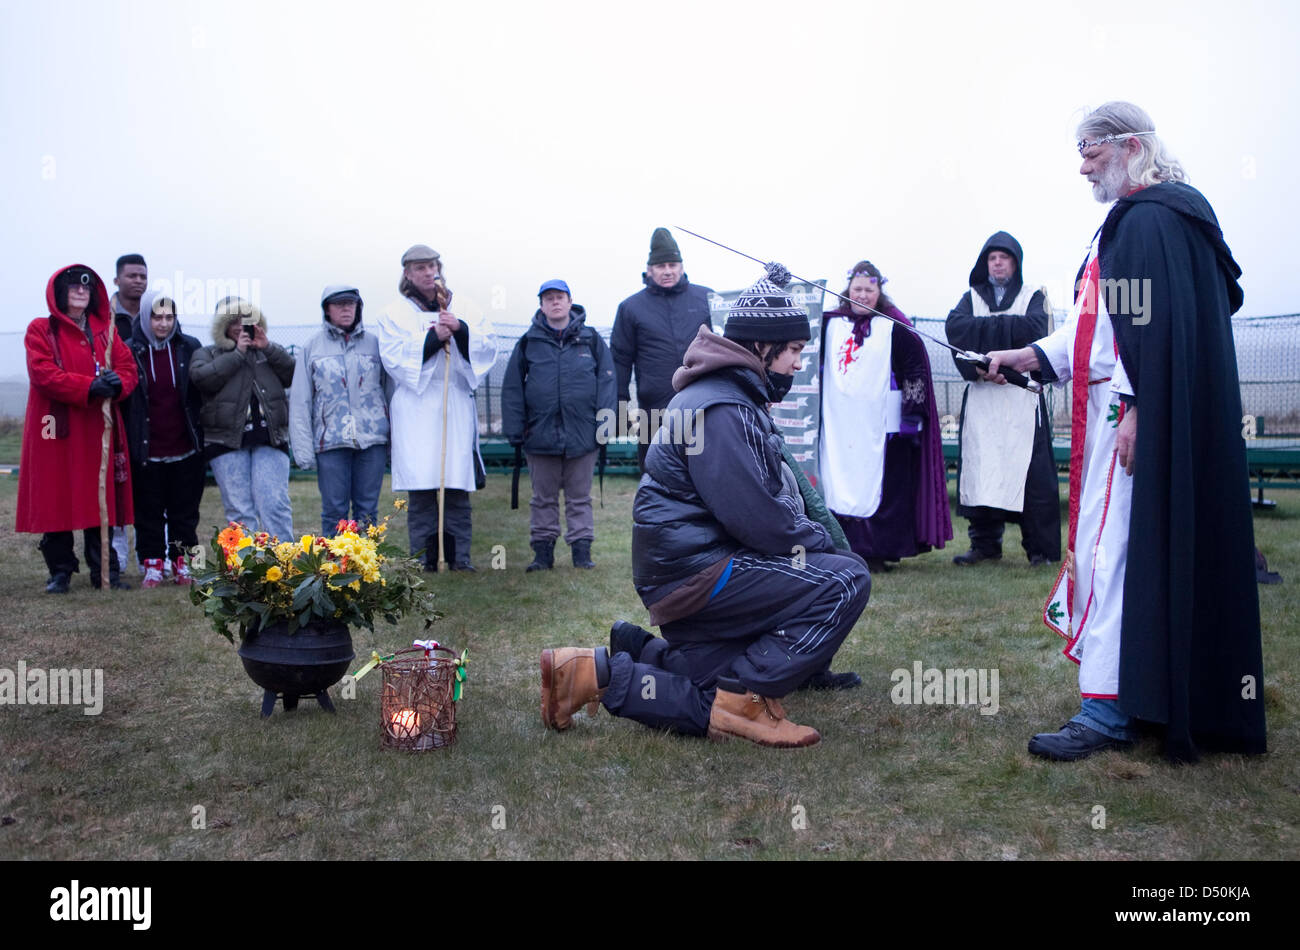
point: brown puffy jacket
(227, 379)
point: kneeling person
(750, 594)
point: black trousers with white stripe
(775, 623)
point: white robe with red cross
(1086, 605)
(860, 407)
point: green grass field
(179, 765)
(11, 441)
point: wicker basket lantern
(417, 704)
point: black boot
(56, 548)
(115, 581)
(448, 551)
(93, 565)
(543, 556)
(975, 556)
(582, 554)
(456, 562)
(431, 554)
(1075, 741)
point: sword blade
(946, 345)
(1010, 375)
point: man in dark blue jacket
(750, 594)
(653, 328)
(559, 377)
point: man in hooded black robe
(1006, 434)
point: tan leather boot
(756, 718)
(568, 684)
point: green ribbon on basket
(461, 675)
(375, 660)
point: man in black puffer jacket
(653, 328)
(751, 596)
(559, 377)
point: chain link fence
(1268, 363)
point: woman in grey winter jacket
(338, 411)
(245, 417)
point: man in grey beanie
(653, 328)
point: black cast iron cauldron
(307, 663)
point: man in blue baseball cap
(559, 377)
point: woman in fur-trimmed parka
(245, 417)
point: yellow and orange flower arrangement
(257, 580)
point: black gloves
(107, 385)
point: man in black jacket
(1006, 471)
(652, 329)
(132, 280)
(559, 377)
(751, 595)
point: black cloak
(999, 331)
(1190, 655)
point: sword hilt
(1010, 375)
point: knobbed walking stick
(104, 451)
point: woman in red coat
(58, 480)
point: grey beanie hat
(766, 312)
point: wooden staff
(442, 296)
(104, 452)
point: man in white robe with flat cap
(420, 343)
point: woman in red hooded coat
(58, 480)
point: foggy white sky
(305, 144)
